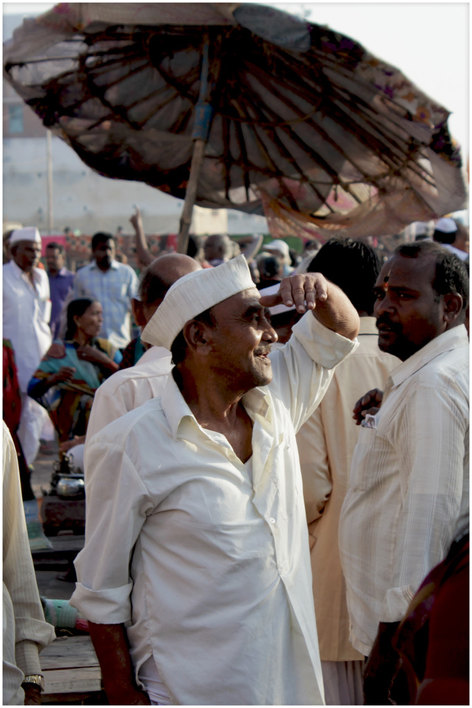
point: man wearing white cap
(280, 249)
(195, 575)
(446, 232)
(26, 313)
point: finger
(270, 300)
(286, 292)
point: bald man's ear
(137, 310)
(196, 336)
(453, 306)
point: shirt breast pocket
(365, 466)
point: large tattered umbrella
(239, 106)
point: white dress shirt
(26, 314)
(210, 568)
(408, 490)
(129, 388)
(326, 443)
(113, 289)
(25, 631)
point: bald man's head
(156, 280)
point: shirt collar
(447, 341)
(114, 265)
(19, 273)
(176, 409)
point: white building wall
(84, 200)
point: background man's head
(155, 282)
(25, 248)
(55, 253)
(218, 249)
(103, 249)
(351, 265)
(421, 292)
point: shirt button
(271, 520)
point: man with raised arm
(195, 575)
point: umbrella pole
(201, 130)
(186, 216)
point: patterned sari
(69, 402)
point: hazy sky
(428, 41)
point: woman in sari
(72, 370)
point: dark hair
(195, 244)
(57, 246)
(101, 237)
(451, 274)
(351, 265)
(443, 237)
(269, 266)
(76, 308)
(179, 345)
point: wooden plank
(70, 680)
(69, 652)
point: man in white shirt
(407, 497)
(25, 632)
(326, 443)
(195, 575)
(112, 284)
(26, 314)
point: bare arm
(111, 646)
(142, 249)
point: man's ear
(452, 307)
(196, 335)
(137, 310)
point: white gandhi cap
(28, 233)
(193, 294)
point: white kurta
(408, 493)
(209, 568)
(26, 313)
(25, 632)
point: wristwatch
(33, 680)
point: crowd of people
(276, 460)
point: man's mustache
(384, 320)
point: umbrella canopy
(293, 121)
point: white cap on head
(27, 233)
(193, 294)
(445, 225)
(277, 245)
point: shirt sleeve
(104, 581)
(32, 633)
(303, 368)
(431, 434)
(133, 285)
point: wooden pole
(186, 216)
(201, 130)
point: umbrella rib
(365, 136)
(286, 152)
(395, 166)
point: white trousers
(34, 424)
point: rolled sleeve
(108, 606)
(324, 346)
(117, 507)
